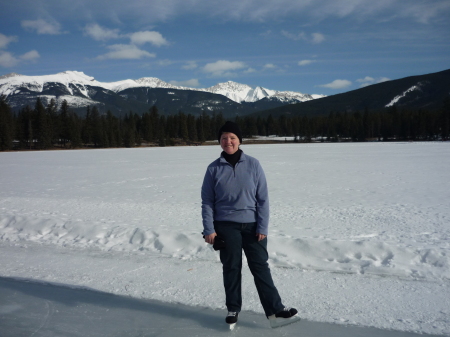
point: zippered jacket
(237, 194)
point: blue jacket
(236, 194)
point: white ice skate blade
(276, 322)
(232, 325)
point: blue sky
(316, 47)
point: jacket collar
(224, 161)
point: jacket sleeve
(262, 202)
(208, 198)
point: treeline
(46, 127)
(54, 126)
(390, 124)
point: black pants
(238, 237)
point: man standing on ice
(235, 208)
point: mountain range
(81, 90)
(426, 92)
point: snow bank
(359, 255)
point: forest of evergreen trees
(53, 126)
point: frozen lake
(359, 232)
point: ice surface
(49, 310)
(359, 233)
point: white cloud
(165, 63)
(30, 56)
(125, 51)
(304, 11)
(155, 38)
(193, 83)
(370, 80)
(302, 36)
(317, 38)
(190, 65)
(366, 79)
(383, 79)
(223, 67)
(270, 66)
(41, 26)
(7, 59)
(295, 37)
(5, 40)
(100, 33)
(305, 62)
(423, 12)
(337, 84)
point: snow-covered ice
(359, 232)
(50, 310)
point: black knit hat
(230, 127)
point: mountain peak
(9, 75)
(233, 90)
(73, 75)
(71, 82)
(155, 83)
(230, 85)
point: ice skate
(284, 317)
(232, 319)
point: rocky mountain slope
(427, 92)
(81, 90)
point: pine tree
(104, 135)
(75, 126)
(184, 133)
(96, 127)
(162, 131)
(251, 128)
(24, 128)
(86, 131)
(201, 126)
(307, 128)
(43, 134)
(272, 126)
(112, 129)
(54, 125)
(192, 128)
(129, 130)
(137, 129)
(147, 127)
(64, 135)
(154, 117)
(218, 122)
(6, 125)
(239, 121)
(261, 125)
(444, 119)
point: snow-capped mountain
(81, 90)
(244, 93)
(148, 82)
(235, 91)
(230, 98)
(9, 75)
